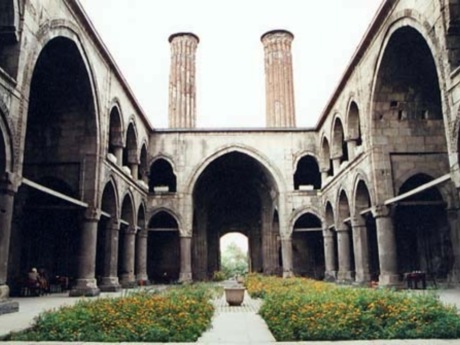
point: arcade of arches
(90, 191)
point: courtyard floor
(231, 325)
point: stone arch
(143, 170)
(6, 143)
(362, 198)
(415, 21)
(353, 122)
(163, 254)
(308, 246)
(177, 217)
(48, 33)
(361, 176)
(116, 129)
(307, 171)
(343, 206)
(329, 215)
(339, 145)
(444, 189)
(422, 230)
(127, 211)
(303, 210)
(162, 178)
(130, 152)
(236, 192)
(325, 157)
(106, 236)
(274, 172)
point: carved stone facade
(91, 191)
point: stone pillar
(141, 257)
(86, 284)
(454, 250)
(336, 164)
(279, 81)
(324, 176)
(182, 89)
(109, 281)
(361, 247)
(134, 170)
(286, 252)
(329, 255)
(387, 247)
(8, 190)
(351, 146)
(127, 278)
(343, 242)
(118, 152)
(185, 259)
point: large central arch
(235, 193)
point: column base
(345, 277)
(128, 281)
(7, 306)
(288, 274)
(85, 287)
(185, 277)
(142, 280)
(110, 284)
(330, 276)
(454, 277)
(389, 280)
(362, 279)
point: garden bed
(298, 309)
(179, 314)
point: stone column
(286, 252)
(387, 247)
(86, 284)
(360, 244)
(182, 89)
(8, 190)
(351, 146)
(134, 170)
(343, 239)
(454, 250)
(127, 278)
(185, 259)
(329, 255)
(118, 153)
(336, 164)
(141, 257)
(279, 81)
(109, 282)
(324, 176)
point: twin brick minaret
(182, 89)
(279, 84)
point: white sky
(230, 76)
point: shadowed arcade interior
(235, 193)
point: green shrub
(300, 309)
(179, 314)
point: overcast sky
(230, 70)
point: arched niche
(162, 178)
(307, 175)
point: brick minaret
(279, 84)
(182, 90)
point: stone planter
(234, 295)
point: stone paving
(230, 325)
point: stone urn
(234, 295)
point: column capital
(143, 233)
(341, 228)
(92, 214)
(9, 183)
(453, 213)
(357, 222)
(131, 230)
(381, 211)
